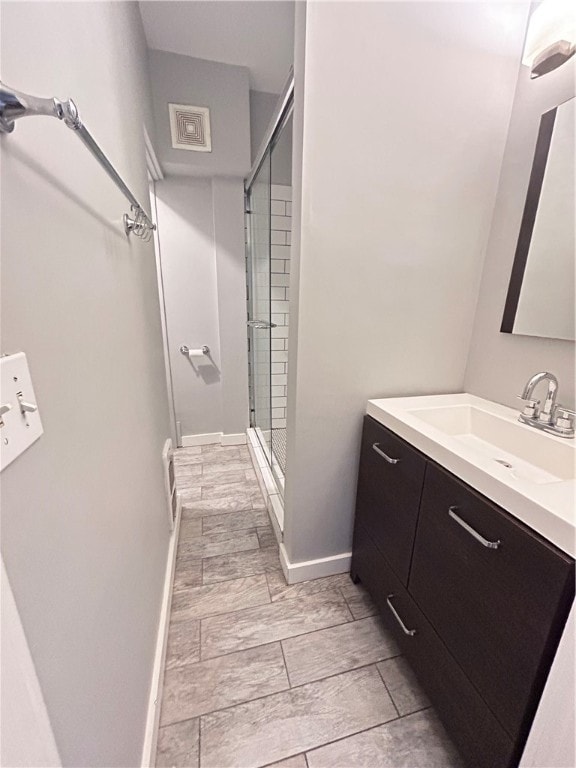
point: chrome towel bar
(14, 105)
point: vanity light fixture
(551, 37)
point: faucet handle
(530, 409)
(564, 421)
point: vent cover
(190, 127)
(172, 498)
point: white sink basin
(523, 450)
(530, 473)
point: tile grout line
(357, 733)
(290, 637)
(286, 690)
(199, 740)
(286, 665)
(300, 634)
(387, 689)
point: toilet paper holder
(186, 351)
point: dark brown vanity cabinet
(389, 489)
(476, 600)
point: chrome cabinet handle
(471, 531)
(376, 447)
(403, 626)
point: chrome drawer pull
(403, 626)
(376, 447)
(471, 531)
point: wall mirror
(541, 297)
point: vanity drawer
(500, 610)
(469, 722)
(389, 489)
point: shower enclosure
(268, 238)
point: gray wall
(201, 235)
(186, 236)
(84, 520)
(221, 87)
(228, 204)
(499, 364)
(389, 257)
(262, 110)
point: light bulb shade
(552, 22)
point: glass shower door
(259, 305)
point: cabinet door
(500, 609)
(468, 721)
(389, 488)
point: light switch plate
(19, 429)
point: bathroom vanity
(464, 537)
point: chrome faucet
(551, 417)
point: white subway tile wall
(281, 204)
(275, 271)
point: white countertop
(547, 507)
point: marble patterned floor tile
(184, 471)
(403, 686)
(221, 453)
(219, 544)
(190, 488)
(214, 599)
(298, 761)
(190, 529)
(225, 489)
(234, 521)
(238, 564)
(266, 535)
(285, 724)
(268, 623)
(187, 455)
(203, 508)
(337, 649)
(178, 745)
(251, 476)
(189, 494)
(191, 450)
(223, 479)
(416, 741)
(359, 601)
(280, 590)
(188, 573)
(218, 683)
(183, 645)
(186, 545)
(214, 468)
(257, 498)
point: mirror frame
(528, 219)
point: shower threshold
(272, 486)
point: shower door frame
(283, 113)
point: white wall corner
(313, 569)
(213, 438)
(210, 438)
(238, 439)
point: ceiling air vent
(190, 127)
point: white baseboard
(313, 569)
(188, 441)
(238, 439)
(212, 438)
(157, 683)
